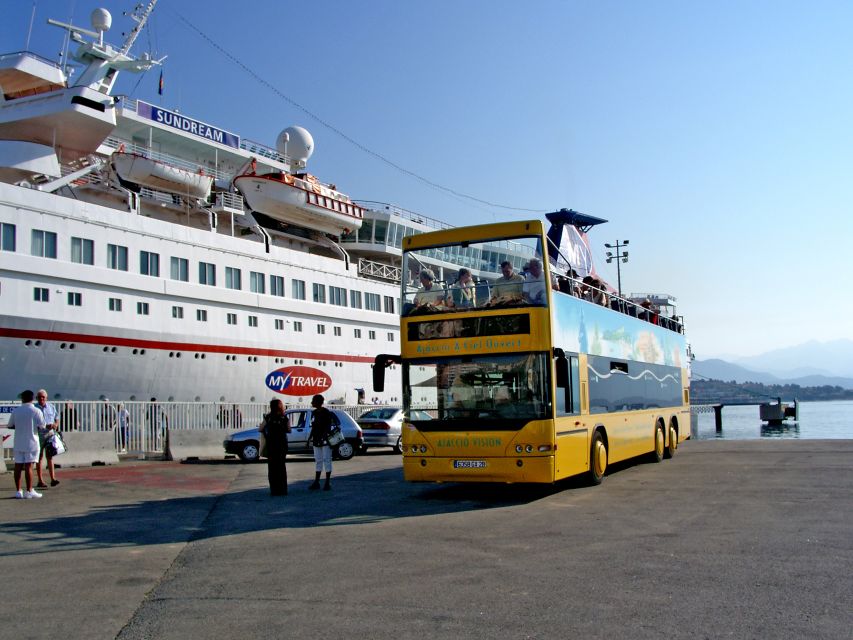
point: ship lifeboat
(132, 167)
(300, 200)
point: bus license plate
(469, 464)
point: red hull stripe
(58, 336)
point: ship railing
(432, 223)
(29, 54)
(259, 149)
(144, 432)
(371, 269)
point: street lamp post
(623, 256)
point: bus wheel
(657, 453)
(673, 443)
(597, 459)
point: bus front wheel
(597, 459)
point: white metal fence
(140, 428)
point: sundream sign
(298, 381)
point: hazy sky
(716, 136)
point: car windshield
(488, 392)
(379, 414)
(506, 272)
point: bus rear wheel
(672, 445)
(657, 453)
(597, 459)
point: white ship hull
(87, 352)
(314, 208)
(135, 168)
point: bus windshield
(470, 275)
(479, 393)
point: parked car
(383, 427)
(247, 443)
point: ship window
(149, 263)
(82, 251)
(253, 321)
(338, 296)
(389, 304)
(201, 315)
(257, 282)
(279, 324)
(390, 336)
(380, 231)
(338, 331)
(297, 326)
(115, 304)
(371, 335)
(41, 294)
(277, 286)
(178, 312)
(372, 302)
(355, 299)
(180, 269)
(43, 244)
(117, 257)
(233, 279)
(319, 292)
(356, 333)
(298, 287)
(7, 236)
(75, 298)
(142, 308)
(207, 273)
(231, 318)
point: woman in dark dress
(275, 428)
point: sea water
(818, 420)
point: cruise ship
(149, 253)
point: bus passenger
(509, 286)
(428, 294)
(533, 288)
(462, 293)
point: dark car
(247, 443)
(383, 427)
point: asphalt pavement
(730, 539)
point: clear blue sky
(717, 137)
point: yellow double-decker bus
(529, 372)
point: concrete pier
(730, 539)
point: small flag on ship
(160, 85)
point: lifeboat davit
(301, 200)
(132, 167)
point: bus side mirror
(382, 361)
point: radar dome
(101, 20)
(296, 143)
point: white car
(383, 427)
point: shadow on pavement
(355, 499)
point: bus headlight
(414, 448)
(529, 448)
(423, 448)
(519, 448)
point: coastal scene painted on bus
(583, 327)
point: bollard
(718, 417)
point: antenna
(140, 18)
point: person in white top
(533, 289)
(26, 420)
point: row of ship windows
(177, 354)
(43, 244)
(75, 299)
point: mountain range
(811, 364)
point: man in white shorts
(26, 420)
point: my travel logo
(298, 381)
